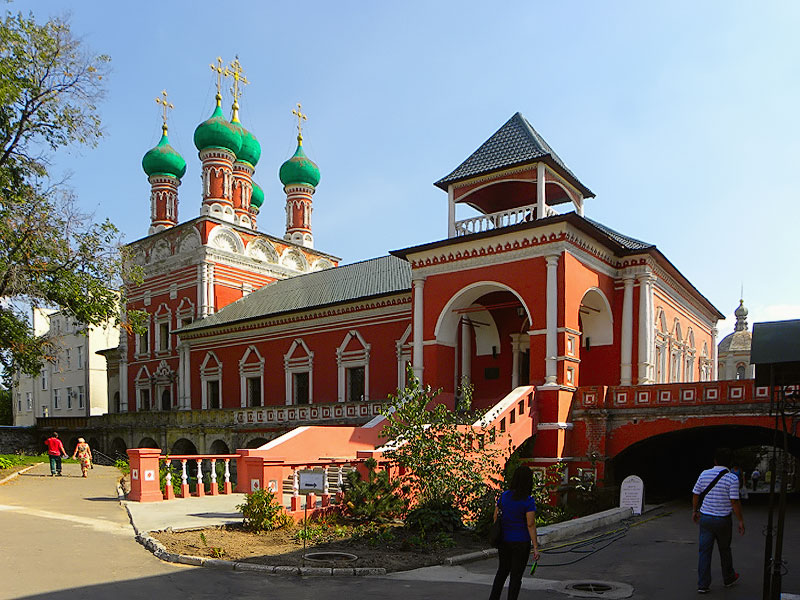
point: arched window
(211, 381)
(741, 371)
(251, 378)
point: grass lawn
(11, 463)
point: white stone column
(551, 342)
(646, 326)
(123, 372)
(514, 360)
(202, 289)
(626, 338)
(418, 286)
(541, 199)
(466, 351)
(210, 293)
(451, 213)
(714, 356)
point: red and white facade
(520, 295)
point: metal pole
(777, 564)
(767, 585)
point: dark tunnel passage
(670, 463)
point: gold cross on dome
(167, 105)
(235, 70)
(220, 71)
(300, 118)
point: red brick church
(529, 292)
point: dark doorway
(166, 400)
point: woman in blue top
(519, 530)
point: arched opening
(597, 349)
(183, 446)
(119, 449)
(117, 405)
(486, 324)
(148, 442)
(670, 463)
(256, 443)
(95, 444)
(219, 447)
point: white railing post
(184, 474)
(201, 488)
(227, 470)
(295, 482)
(214, 489)
(325, 486)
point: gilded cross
(235, 70)
(300, 118)
(167, 105)
(220, 71)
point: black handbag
(496, 528)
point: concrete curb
(15, 475)
(160, 552)
(556, 533)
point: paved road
(65, 538)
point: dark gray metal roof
(623, 240)
(775, 352)
(366, 279)
(515, 143)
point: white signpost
(631, 494)
(309, 482)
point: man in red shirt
(55, 450)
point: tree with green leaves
(449, 462)
(51, 255)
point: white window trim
(186, 309)
(303, 364)
(81, 397)
(249, 370)
(210, 373)
(162, 316)
(352, 358)
(142, 382)
(56, 398)
(403, 350)
(138, 342)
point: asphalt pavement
(69, 537)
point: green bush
(6, 462)
(433, 518)
(123, 465)
(262, 512)
(377, 499)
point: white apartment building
(75, 383)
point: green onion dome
(164, 159)
(299, 169)
(257, 197)
(250, 151)
(218, 132)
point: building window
(166, 399)
(56, 398)
(69, 397)
(117, 403)
(163, 337)
(19, 402)
(68, 355)
(144, 342)
(44, 380)
(355, 383)
(29, 401)
(144, 399)
(740, 372)
(211, 373)
(300, 387)
(352, 357)
(251, 374)
(79, 351)
(80, 396)
(212, 393)
(253, 391)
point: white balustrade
(227, 470)
(213, 472)
(199, 474)
(295, 482)
(168, 478)
(505, 218)
(325, 486)
(184, 474)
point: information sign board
(311, 482)
(631, 494)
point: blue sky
(680, 116)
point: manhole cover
(330, 557)
(597, 588)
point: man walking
(716, 495)
(55, 450)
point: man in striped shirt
(713, 513)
